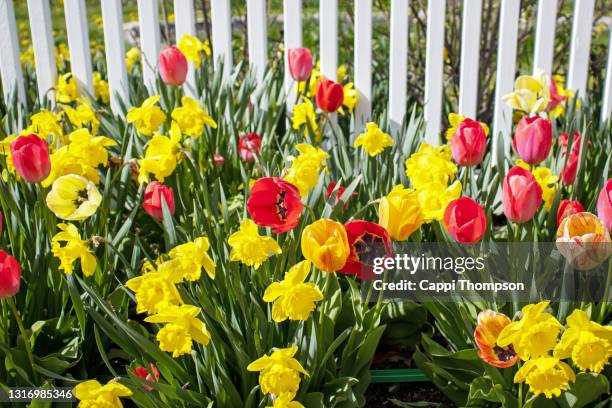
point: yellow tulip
(400, 213)
(325, 244)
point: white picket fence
(257, 21)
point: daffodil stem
(24, 335)
(520, 395)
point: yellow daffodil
(279, 373)
(313, 82)
(148, 117)
(131, 57)
(534, 335)
(191, 118)
(304, 114)
(430, 164)
(341, 73)
(154, 292)
(67, 90)
(400, 213)
(161, 156)
(373, 140)
(589, 344)
(434, 199)
(82, 115)
(73, 198)
(74, 248)
(546, 375)
(455, 119)
(351, 97)
(93, 394)
(306, 168)
(284, 401)
(191, 47)
(531, 94)
(325, 244)
(181, 329)
(249, 247)
(293, 298)
(193, 257)
(46, 123)
(101, 90)
(62, 54)
(547, 181)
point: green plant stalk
(24, 335)
(604, 300)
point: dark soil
(381, 395)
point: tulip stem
(24, 335)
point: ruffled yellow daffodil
(249, 247)
(74, 248)
(373, 140)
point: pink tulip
(568, 174)
(300, 63)
(219, 159)
(173, 66)
(555, 97)
(521, 195)
(533, 139)
(468, 143)
(152, 202)
(31, 158)
(604, 205)
(10, 275)
(248, 147)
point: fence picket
(545, 36)
(221, 18)
(363, 62)
(434, 69)
(470, 53)
(184, 23)
(77, 31)
(148, 16)
(44, 48)
(582, 29)
(257, 23)
(606, 108)
(506, 64)
(10, 68)
(114, 45)
(328, 38)
(293, 39)
(398, 63)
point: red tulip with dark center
(367, 241)
(275, 203)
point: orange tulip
(583, 241)
(490, 325)
(325, 244)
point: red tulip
(153, 199)
(300, 63)
(173, 66)
(248, 147)
(468, 143)
(275, 203)
(604, 205)
(465, 220)
(145, 374)
(568, 174)
(330, 189)
(31, 158)
(567, 208)
(10, 275)
(366, 242)
(330, 95)
(521, 195)
(555, 98)
(533, 139)
(219, 159)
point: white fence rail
(78, 40)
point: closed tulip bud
(568, 174)
(145, 374)
(330, 95)
(533, 139)
(248, 147)
(567, 208)
(10, 275)
(300, 63)
(152, 204)
(469, 143)
(400, 213)
(325, 244)
(521, 195)
(583, 241)
(604, 205)
(173, 66)
(465, 220)
(31, 159)
(219, 159)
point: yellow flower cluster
(547, 181)
(306, 168)
(131, 57)
(67, 90)
(304, 115)
(191, 118)
(93, 394)
(279, 373)
(192, 47)
(535, 339)
(80, 116)
(101, 89)
(373, 140)
(148, 117)
(156, 294)
(74, 248)
(431, 172)
(161, 156)
(249, 247)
